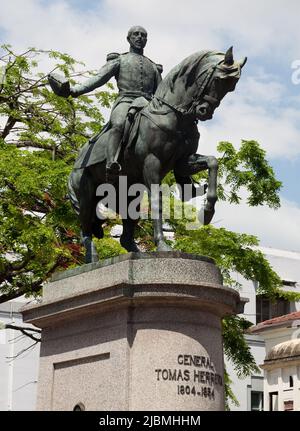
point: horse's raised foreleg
(151, 172)
(206, 214)
(191, 165)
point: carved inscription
(195, 376)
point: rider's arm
(106, 72)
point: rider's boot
(113, 168)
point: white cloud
(254, 111)
(176, 29)
(278, 133)
(278, 229)
(258, 110)
(263, 90)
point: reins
(195, 101)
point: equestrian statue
(151, 131)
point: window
(79, 408)
(291, 382)
(288, 406)
(289, 283)
(257, 401)
(267, 309)
(273, 400)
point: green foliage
(109, 247)
(236, 347)
(39, 140)
(289, 295)
(229, 395)
(232, 252)
(248, 168)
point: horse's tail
(73, 185)
(72, 195)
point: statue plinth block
(138, 332)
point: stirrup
(113, 168)
(113, 171)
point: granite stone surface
(136, 333)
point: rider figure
(136, 76)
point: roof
(291, 254)
(276, 321)
(288, 350)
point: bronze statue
(160, 135)
(136, 76)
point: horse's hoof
(91, 254)
(130, 246)
(163, 246)
(91, 259)
(97, 230)
(205, 216)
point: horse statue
(163, 136)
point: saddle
(131, 126)
(94, 151)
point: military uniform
(134, 73)
(136, 76)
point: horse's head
(197, 85)
(221, 76)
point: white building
(250, 391)
(282, 362)
(18, 361)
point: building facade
(19, 360)
(281, 365)
(250, 391)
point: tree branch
(28, 143)
(25, 331)
(21, 289)
(33, 288)
(11, 121)
(23, 351)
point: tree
(39, 138)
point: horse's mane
(193, 68)
(188, 67)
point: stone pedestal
(138, 332)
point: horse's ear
(228, 59)
(242, 62)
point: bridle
(212, 101)
(191, 111)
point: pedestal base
(138, 332)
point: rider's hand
(59, 84)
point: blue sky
(264, 107)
